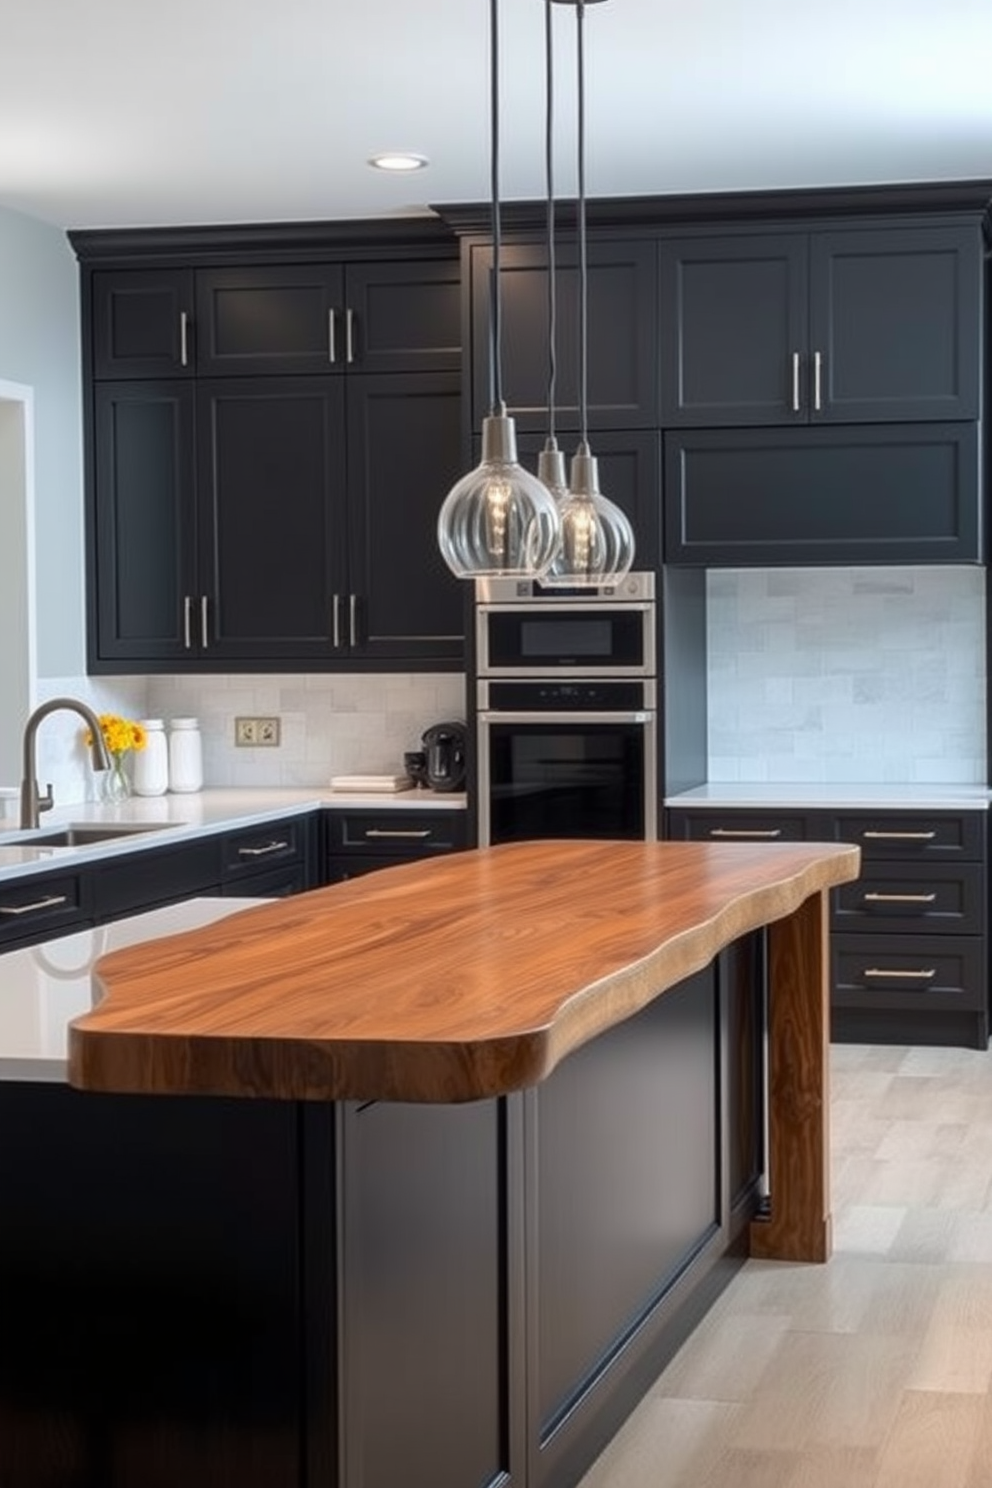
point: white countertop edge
(203, 813)
(797, 796)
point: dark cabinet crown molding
(265, 242)
(677, 211)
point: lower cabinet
(908, 946)
(363, 840)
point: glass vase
(116, 782)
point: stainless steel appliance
(524, 631)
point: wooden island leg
(797, 1227)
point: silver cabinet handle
(47, 903)
(353, 619)
(817, 379)
(204, 622)
(795, 382)
(260, 852)
(336, 622)
(332, 341)
(875, 898)
(187, 621)
(419, 832)
(875, 836)
(349, 336)
(745, 831)
(925, 974)
(183, 344)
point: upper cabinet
(622, 333)
(854, 324)
(257, 320)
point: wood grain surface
(465, 977)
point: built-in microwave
(522, 630)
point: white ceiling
(141, 112)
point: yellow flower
(119, 734)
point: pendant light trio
(499, 520)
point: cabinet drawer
(403, 833)
(738, 826)
(275, 883)
(41, 906)
(935, 837)
(929, 897)
(143, 880)
(275, 845)
(911, 972)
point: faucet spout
(32, 802)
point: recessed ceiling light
(398, 160)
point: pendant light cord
(549, 175)
(583, 267)
(496, 310)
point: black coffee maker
(444, 751)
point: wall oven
(524, 631)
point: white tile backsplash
(871, 674)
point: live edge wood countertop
(465, 977)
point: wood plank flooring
(874, 1371)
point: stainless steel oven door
(575, 775)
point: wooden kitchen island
(415, 1180)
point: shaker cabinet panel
(270, 497)
(253, 320)
(762, 497)
(404, 454)
(622, 328)
(405, 317)
(143, 568)
(142, 323)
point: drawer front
(403, 833)
(943, 837)
(738, 826)
(143, 880)
(339, 870)
(925, 897)
(276, 845)
(909, 972)
(274, 883)
(42, 906)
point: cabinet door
(895, 318)
(271, 473)
(404, 317)
(404, 454)
(885, 494)
(142, 323)
(142, 571)
(734, 330)
(622, 321)
(629, 474)
(257, 320)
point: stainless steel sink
(84, 834)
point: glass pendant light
(597, 541)
(499, 520)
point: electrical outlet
(256, 732)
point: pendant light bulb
(597, 540)
(499, 520)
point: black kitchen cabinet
(328, 317)
(889, 494)
(623, 344)
(142, 323)
(41, 906)
(363, 839)
(909, 957)
(854, 324)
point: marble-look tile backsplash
(870, 674)
(331, 724)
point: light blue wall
(39, 346)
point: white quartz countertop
(43, 987)
(844, 797)
(177, 817)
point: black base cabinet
(252, 1294)
(909, 951)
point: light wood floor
(874, 1371)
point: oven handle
(495, 715)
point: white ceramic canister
(185, 755)
(150, 775)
